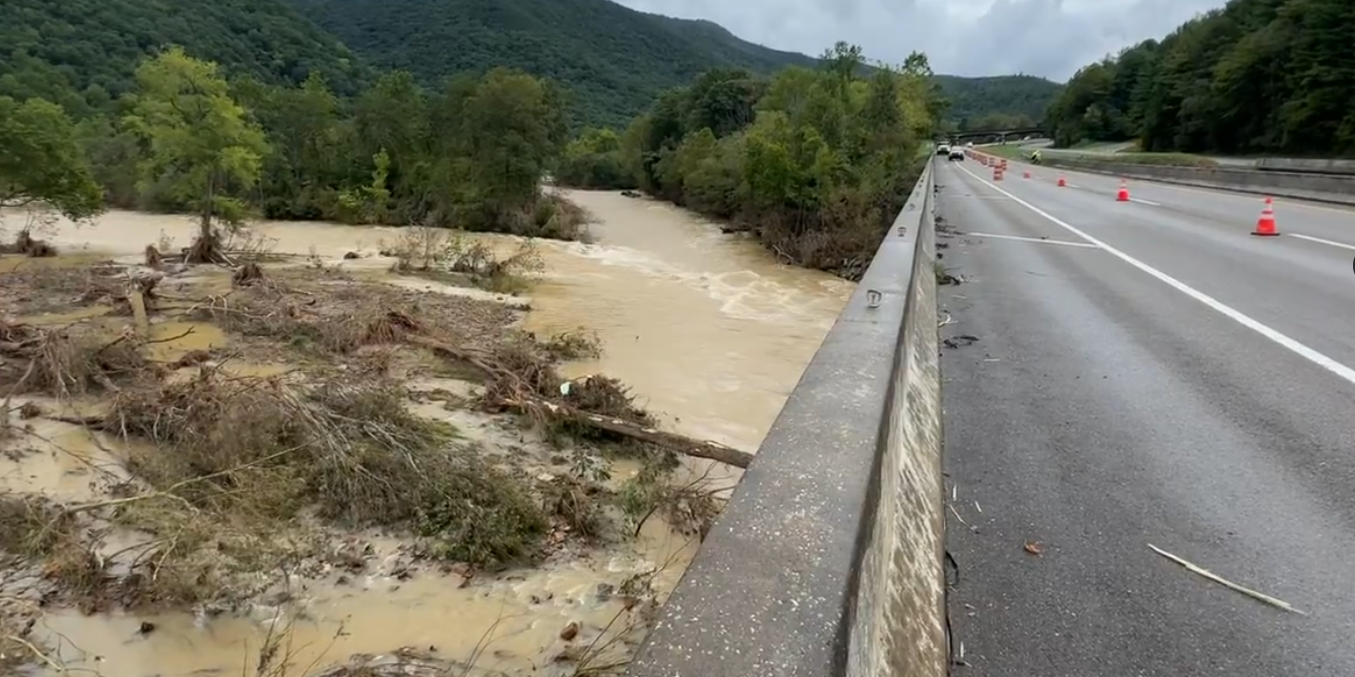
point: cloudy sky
(1051, 38)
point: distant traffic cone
(997, 172)
(1123, 195)
(1265, 226)
(1062, 182)
(1025, 174)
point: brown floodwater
(709, 330)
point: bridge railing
(827, 561)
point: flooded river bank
(709, 332)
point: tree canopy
(81, 54)
(815, 162)
(40, 161)
(1255, 77)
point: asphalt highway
(1145, 373)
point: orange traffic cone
(997, 172)
(1062, 182)
(1123, 195)
(1025, 174)
(1265, 226)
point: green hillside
(978, 100)
(613, 60)
(712, 39)
(77, 51)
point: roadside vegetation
(814, 162)
(1254, 77)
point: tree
(304, 161)
(1257, 76)
(515, 128)
(202, 148)
(40, 161)
(594, 161)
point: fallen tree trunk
(684, 445)
(528, 403)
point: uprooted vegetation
(26, 245)
(449, 254)
(226, 476)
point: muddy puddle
(709, 332)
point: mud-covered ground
(296, 467)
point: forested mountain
(997, 101)
(613, 60)
(82, 53)
(1258, 76)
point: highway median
(1319, 187)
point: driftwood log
(523, 400)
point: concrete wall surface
(1334, 166)
(1333, 188)
(828, 561)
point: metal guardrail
(827, 562)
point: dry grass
(578, 344)
(27, 245)
(31, 526)
(43, 288)
(307, 311)
(34, 529)
(68, 362)
(353, 452)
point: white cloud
(1051, 38)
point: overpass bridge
(1154, 387)
(998, 135)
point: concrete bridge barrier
(1307, 185)
(828, 561)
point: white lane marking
(1032, 239)
(1319, 240)
(1227, 311)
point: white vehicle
(943, 149)
(957, 154)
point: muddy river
(709, 331)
